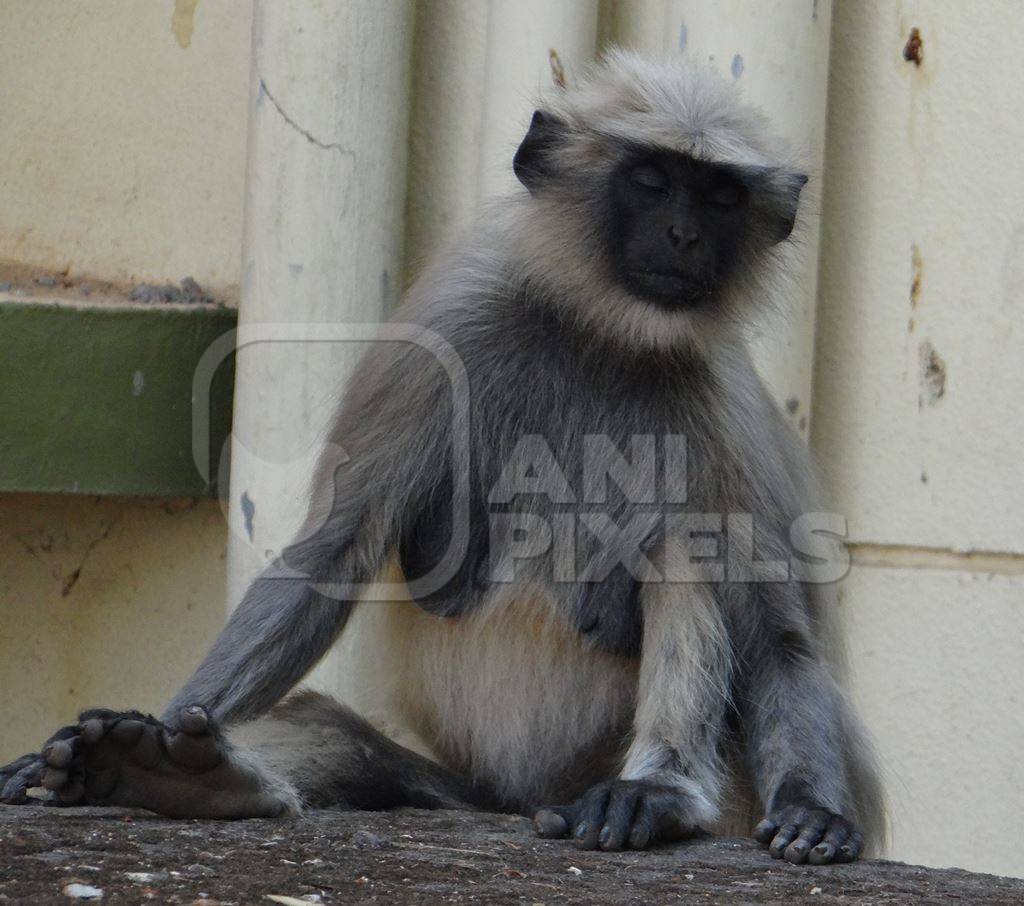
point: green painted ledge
(98, 399)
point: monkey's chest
(569, 502)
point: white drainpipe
(323, 240)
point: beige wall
(122, 137)
(923, 250)
(103, 601)
(122, 155)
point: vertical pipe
(478, 68)
(527, 41)
(777, 53)
(323, 240)
(449, 63)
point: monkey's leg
(792, 715)
(309, 752)
(672, 777)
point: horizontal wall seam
(908, 556)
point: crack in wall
(71, 580)
(908, 556)
(305, 133)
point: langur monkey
(567, 460)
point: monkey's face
(678, 219)
(676, 227)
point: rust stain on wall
(913, 50)
(932, 375)
(183, 21)
(916, 273)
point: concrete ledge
(97, 398)
(422, 857)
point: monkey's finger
(765, 831)
(618, 819)
(672, 826)
(147, 748)
(786, 835)
(835, 835)
(59, 753)
(193, 720)
(9, 770)
(642, 833)
(55, 778)
(91, 730)
(73, 791)
(26, 773)
(125, 733)
(810, 835)
(590, 819)
(656, 819)
(851, 849)
(554, 821)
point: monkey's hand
(132, 759)
(800, 833)
(621, 813)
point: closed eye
(649, 178)
(726, 195)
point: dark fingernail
(581, 830)
(605, 835)
(822, 853)
(795, 854)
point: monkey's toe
(55, 768)
(552, 822)
(801, 834)
(195, 744)
(18, 777)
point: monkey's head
(656, 198)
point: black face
(677, 226)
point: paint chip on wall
(183, 21)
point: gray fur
(537, 687)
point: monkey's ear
(532, 163)
(786, 192)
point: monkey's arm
(795, 733)
(672, 777)
(395, 430)
(683, 694)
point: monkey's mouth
(669, 287)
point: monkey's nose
(683, 238)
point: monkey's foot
(131, 759)
(801, 833)
(621, 813)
